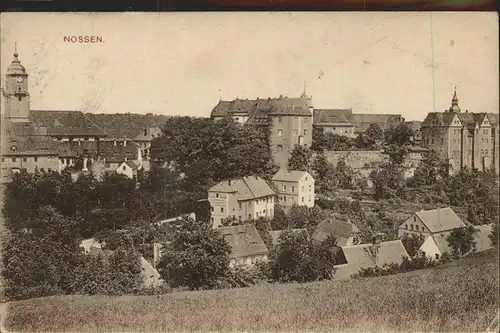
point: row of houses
(248, 247)
(251, 197)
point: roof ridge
(249, 188)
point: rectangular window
(3, 159)
(310, 188)
(302, 199)
(411, 226)
(306, 120)
(213, 209)
(239, 218)
(280, 119)
(24, 159)
(249, 216)
(216, 195)
(239, 205)
(293, 188)
(49, 169)
(437, 256)
(305, 132)
(280, 147)
(13, 159)
(432, 141)
(284, 198)
(222, 209)
(284, 187)
(414, 219)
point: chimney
(229, 182)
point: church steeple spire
(454, 102)
(15, 50)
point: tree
(387, 180)
(196, 256)
(280, 219)
(399, 135)
(374, 132)
(461, 241)
(300, 158)
(39, 261)
(324, 174)
(296, 258)
(344, 174)
(363, 141)
(412, 244)
(397, 154)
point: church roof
(15, 68)
(65, 123)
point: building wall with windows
(299, 192)
(19, 162)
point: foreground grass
(460, 297)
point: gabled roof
(275, 234)
(244, 240)
(329, 226)
(247, 187)
(440, 242)
(332, 116)
(290, 175)
(434, 119)
(369, 255)
(415, 125)
(65, 123)
(131, 164)
(441, 219)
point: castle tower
(16, 96)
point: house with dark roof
(440, 221)
(241, 199)
(294, 187)
(289, 120)
(247, 247)
(344, 231)
(275, 234)
(336, 121)
(129, 169)
(465, 139)
(362, 121)
(365, 256)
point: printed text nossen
(83, 39)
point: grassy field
(460, 297)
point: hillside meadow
(460, 296)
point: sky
(184, 63)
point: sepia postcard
(251, 172)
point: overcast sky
(183, 63)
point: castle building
(289, 120)
(465, 139)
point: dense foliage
(195, 256)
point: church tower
(454, 103)
(16, 96)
